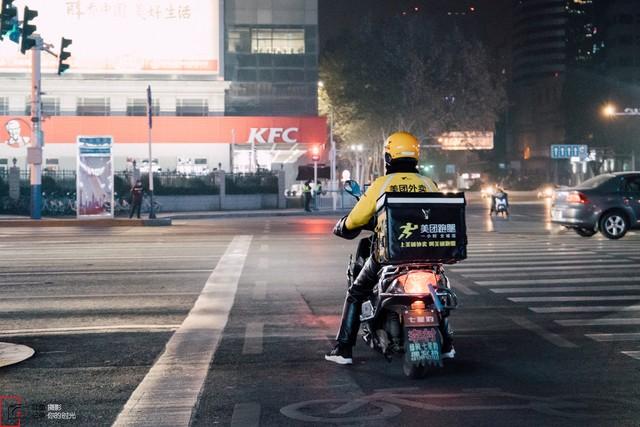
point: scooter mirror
(353, 188)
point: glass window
(93, 107)
(50, 106)
(632, 184)
(4, 106)
(284, 41)
(138, 107)
(596, 181)
(192, 107)
(239, 40)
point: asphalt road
(226, 321)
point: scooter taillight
(417, 282)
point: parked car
(608, 203)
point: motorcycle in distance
(408, 309)
(500, 204)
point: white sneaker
(451, 354)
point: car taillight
(417, 282)
(576, 197)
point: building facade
(206, 61)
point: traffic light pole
(35, 159)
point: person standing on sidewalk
(316, 196)
(306, 193)
(136, 199)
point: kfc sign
(273, 135)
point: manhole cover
(14, 353)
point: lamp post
(357, 149)
(610, 111)
(332, 154)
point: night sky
(489, 20)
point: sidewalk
(24, 221)
(249, 213)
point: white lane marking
(577, 299)
(496, 261)
(541, 269)
(21, 283)
(561, 289)
(550, 281)
(540, 258)
(253, 338)
(543, 273)
(10, 261)
(464, 289)
(264, 248)
(168, 394)
(78, 296)
(86, 330)
(246, 415)
(599, 322)
(538, 254)
(554, 339)
(634, 354)
(585, 309)
(263, 263)
(260, 290)
(634, 336)
(73, 272)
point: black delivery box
(421, 227)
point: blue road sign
(567, 151)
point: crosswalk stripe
(633, 336)
(622, 264)
(544, 273)
(513, 254)
(549, 281)
(634, 354)
(497, 262)
(560, 289)
(584, 309)
(599, 322)
(577, 299)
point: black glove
(341, 230)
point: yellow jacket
(404, 182)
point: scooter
(408, 309)
(500, 205)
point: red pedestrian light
(315, 153)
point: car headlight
(414, 282)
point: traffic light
(62, 67)
(27, 29)
(315, 153)
(8, 16)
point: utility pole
(334, 183)
(35, 151)
(152, 213)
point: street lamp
(357, 149)
(609, 110)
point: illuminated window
(239, 40)
(4, 106)
(192, 107)
(288, 41)
(93, 107)
(138, 107)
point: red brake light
(416, 282)
(576, 197)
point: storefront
(183, 144)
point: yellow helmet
(401, 145)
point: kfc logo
(273, 135)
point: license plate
(418, 318)
(556, 214)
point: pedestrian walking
(136, 199)
(306, 193)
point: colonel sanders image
(14, 130)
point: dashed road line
(253, 336)
(634, 354)
(86, 330)
(246, 415)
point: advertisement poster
(94, 178)
(125, 36)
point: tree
(411, 75)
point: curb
(254, 214)
(105, 222)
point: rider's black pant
(356, 294)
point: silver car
(608, 203)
